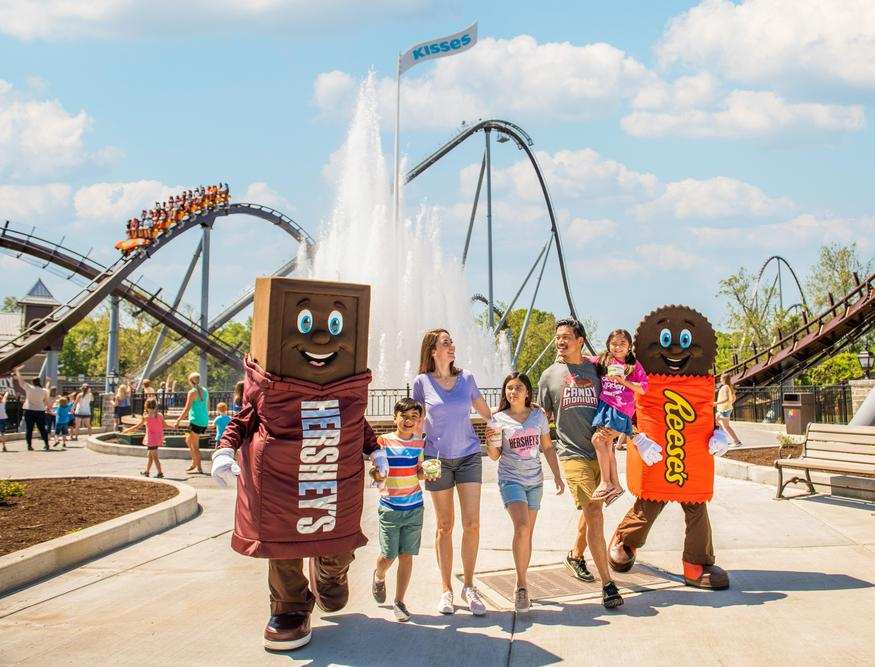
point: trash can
(798, 412)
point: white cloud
(713, 198)
(803, 231)
(25, 204)
(666, 256)
(581, 173)
(685, 92)
(746, 113)
(70, 19)
(777, 42)
(40, 137)
(261, 193)
(580, 231)
(117, 202)
(518, 78)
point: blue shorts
(609, 417)
(725, 414)
(2, 426)
(514, 492)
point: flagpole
(397, 188)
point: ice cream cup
(432, 468)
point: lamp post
(867, 361)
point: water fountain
(415, 286)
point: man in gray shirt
(569, 391)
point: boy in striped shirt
(400, 510)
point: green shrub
(9, 489)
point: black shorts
(194, 428)
(122, 410)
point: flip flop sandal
(611, 498)
(601, 495)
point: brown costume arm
(369, 445)
(240, 428)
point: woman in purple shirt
(448, 394)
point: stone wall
(859, 391)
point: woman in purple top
(448, 394)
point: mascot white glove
(718, 445)
(649, 450)
(225, 468)
(381, 462)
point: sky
(680, 140)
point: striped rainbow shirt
(401, 490)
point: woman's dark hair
(503, 403)
(606, 356)
(406, 404)
(429, 345)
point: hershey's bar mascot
(677, 347)
(300, 438)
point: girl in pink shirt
(153, 422)
(622, 377)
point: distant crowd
(151, 223)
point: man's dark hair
(576, 326)
(406, 404)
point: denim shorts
(463, 470)
(724, 414)
(609, 417)
(514, 492)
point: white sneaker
(445, 606)
(522, 602)
(401, 613)
(472, 597)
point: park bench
(848, 451)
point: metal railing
(832, 403)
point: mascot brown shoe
(620, 556)
(710, 577)
(285, 632)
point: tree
(833, 273)
(841, 367)
(10, 305)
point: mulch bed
(764, 456)
(51, 508)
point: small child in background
(63, 417)
(400, 511)
(222, 420)
(622, 378)
(3, 418)
(153, 421)
(51, 404)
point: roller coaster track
(840, 325)
(524, 142)
(114, 280)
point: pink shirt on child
(620, 397)
(154, 430)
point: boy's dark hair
(406, 404)
(576, 326)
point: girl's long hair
(429, 344)
(503, 403)
(238, 393)
(606, 357)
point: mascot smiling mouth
(676, 365)
(318, 360)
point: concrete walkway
(802, 589)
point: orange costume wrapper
(677, 411)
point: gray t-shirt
(520, 460)
(571, 393)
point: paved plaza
(802, 591)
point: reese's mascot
(677, 347)
(299, 440)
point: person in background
(83, 410)
(63, 417)
(50, 407)
(195, 408)
(725, 400)
(221, 420)
(153, 423)
(237, 402)
(3, 417)
(34, 408)
(122, 404)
